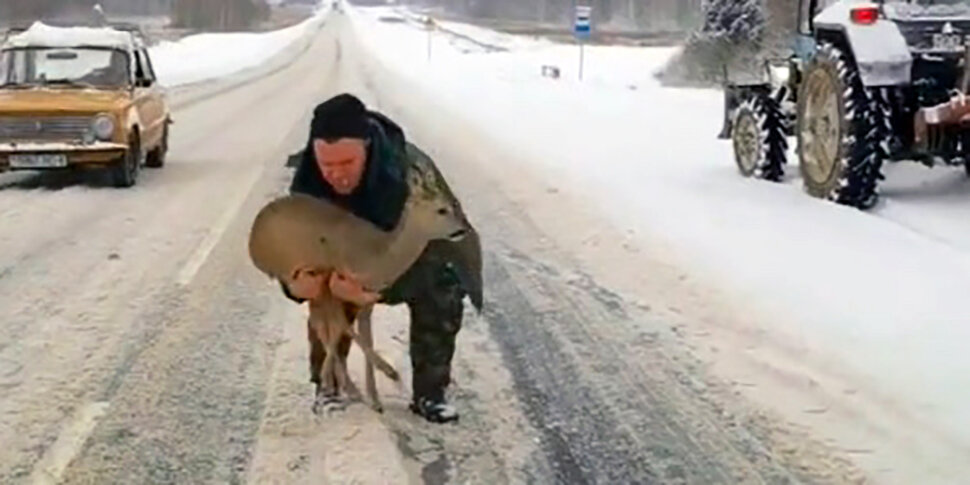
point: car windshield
(87, 67)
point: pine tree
(731, 37)
(733, 21)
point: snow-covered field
(878, 295)
(202, 57)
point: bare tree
(137, 7)
(27, 10)
(641, 15)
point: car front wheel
(125, 172)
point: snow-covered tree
(734, 21)
(733, 34)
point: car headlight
(103, 127)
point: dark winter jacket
(395, 168)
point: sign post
(582, 29)
(429, 25)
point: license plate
(38, 161)
(948, 42)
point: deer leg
(318, 352)
(340, 325)
(339, 339)
(366, 338)
(377, 360)
(332, 339)
(367, 347)
(341, 320)
(340, 369)
(328, 395)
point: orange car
(80, 97)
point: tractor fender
(879, 49)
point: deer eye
(442, 212)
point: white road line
(51, 466)
(201, 254)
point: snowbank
(880, 294)
(42, 35)
(206, 56)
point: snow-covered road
(874, 301)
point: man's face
(341, 163)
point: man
(360, 160)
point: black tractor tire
(124, 174)
(841, 151)
(758, 137)
(156, 159)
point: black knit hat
(342, 116)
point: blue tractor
(866, 82)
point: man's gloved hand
(346, 287)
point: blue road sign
(583, 28)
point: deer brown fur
(301, 231)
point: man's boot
(429, 400)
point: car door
(158, 107)
(148, 101)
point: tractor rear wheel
(842, 128)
